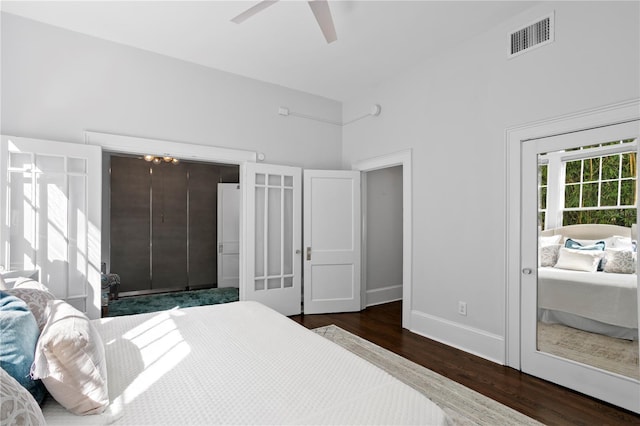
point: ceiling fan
(320, 9)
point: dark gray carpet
(161, 302)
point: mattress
(240, 363)
(604, 297)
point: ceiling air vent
(531, 36)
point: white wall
(452, 110)
(58, 83)
(383, 235)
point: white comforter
(241, 363)
(608, 298)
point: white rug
(463, 405)
(608, 353)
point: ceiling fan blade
(252, 11)
(322, 13)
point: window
(592, 184)
(542, 192)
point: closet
(163, 223)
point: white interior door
(332, 241)
(51, 198)
(228, 235)
(611, 387)
(271, 228)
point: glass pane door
(51, 221)
(272, 263)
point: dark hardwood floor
(548, 403)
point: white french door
(270, 269)
(611, 387)
(228, 235)
(332, 241)
(50, 220)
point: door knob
(527, 271)
(298, 251)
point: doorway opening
(160, 223)
(382, 265)
(402, 160)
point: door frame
(400, 158)
(514, 138)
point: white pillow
(3, 285)
(620, 261)
(549, 241)
(619, 242)
(70, 360)
(17, 405)
(23, 282)
(579, 260)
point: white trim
(378, 296)
(514, 137)
(183, 151)
(401, 158)
(477, 342)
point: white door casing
(50, 221)
(404, 159)
(610, 387)
(515, 137)
(228, 235)
(271, 205)
(332, 240)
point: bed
(599, 301)
(235, 363)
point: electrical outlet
(462, 308)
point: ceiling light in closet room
(157, 160)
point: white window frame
(556, 174)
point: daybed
(600, 300)
(236, 363)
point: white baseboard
(477, 342)
(379, 296)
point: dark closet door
(130, 227)
(203, 202)
(169, 226)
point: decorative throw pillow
(17, 405)
(549, 254)
(70, 360)
(585, 244)
(19, 334)
(579, 260)
(620, 261)
(36, 300)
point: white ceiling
(283, 44)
